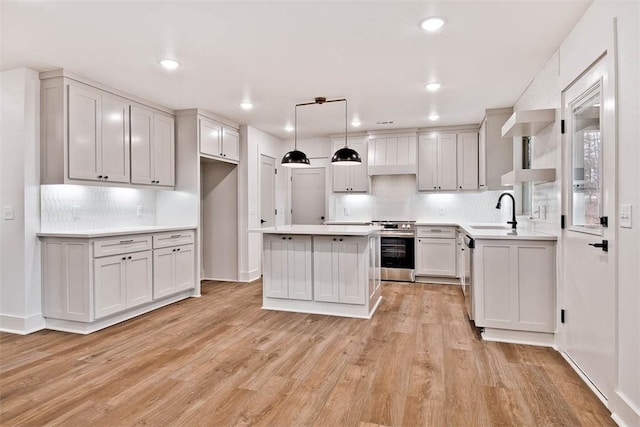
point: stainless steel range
(397, 249)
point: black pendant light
(344, 156)
(295, 158)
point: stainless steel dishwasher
(467, 273)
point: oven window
(397, 252)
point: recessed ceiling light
(433, 86)
(289, 128)
(434, 117)
(432, 23)
(169, 64)
(246, 105)
(355, 123)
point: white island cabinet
(95, 279)
(323, 269)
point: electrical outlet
(8, 213)
(625, 216)
(441, 211)
(347, 211)
(139, 210)
(76, 211)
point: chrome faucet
(513, 221)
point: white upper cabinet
(351, 179)
(152, 147)
(98, 135)
(468, 161)
(218, 141)
(230, 143)
(85, 135)
(437, 157)
(392, 154)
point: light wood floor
(220, 360)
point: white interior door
(588, 272)
(267, 191)
(308, 196)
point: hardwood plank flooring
(220, 360)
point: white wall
(20, 295)
(592, 35)
(395, 197)
(253, 144)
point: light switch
(625, 216)
(139, 210)
(76, 211)
(8, 212)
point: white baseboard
(21, 325)
(586, 379)
(249, 276)
(518, 337)
(623, 412)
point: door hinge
(276, 211)
(561, 126)
(562, 221)
(291, 178)
(604, 221)
(562, 316)
(275, 170)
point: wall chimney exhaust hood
(528, 122)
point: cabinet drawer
(176, 238)
(436, 231)
(122, 245)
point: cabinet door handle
(434, 188)
(128, 257)
(106, 177)
(334, 239)
(341, 240)
(284, 238)
(178, 249)
(461, 187)
(436, 230)
(289, 238)
(99, 176)
(173, 236)
(126, 241)
(124, 258)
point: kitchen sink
(491, 227)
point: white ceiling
(278, 54)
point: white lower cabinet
(514, 285)
(172, 270)
(436, 251)
(287, 267)
(122, 282)
(87, 279)
(340, 266)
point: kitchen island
(322, 269)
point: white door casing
(308, 195)
(267, 191)
(589, 187)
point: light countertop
(321, 230)
(494, 231)
(116, 231)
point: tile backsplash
(395, 197)
(80, 207)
